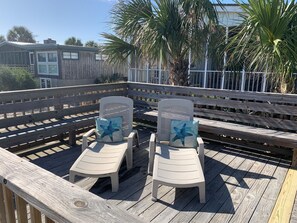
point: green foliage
(162, 28)
(92, 43)
(267, 40)
(16, 79)
(2, 38)
(116, 77)
(20, 34)
(73, 41)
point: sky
(59, 19)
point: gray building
(53, 64)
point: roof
(41, 46)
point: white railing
(230, 80)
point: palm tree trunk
(179, 73)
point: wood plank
(57, 204)
(294, 212)
(222, 197)
(284, 205)
(201, 100)
(265, 206)
(8, 203)
(35, 215)
(251, 199)
(260, 96)
(2, 206)
(21, 209)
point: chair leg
(155, 190)
(71, 177)
(114, 182)
(129, 159)
(202, 192)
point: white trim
(31, 60)
(46, 81)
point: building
(56, 65)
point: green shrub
(109, 78)
(15, 79)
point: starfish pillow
(183, 133)
(109, 130)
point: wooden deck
(241, 186)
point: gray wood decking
(241, 186)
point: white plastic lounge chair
(101, 159)
(173, 166)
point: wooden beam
(285, 201)
(55, 197)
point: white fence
(231, 80)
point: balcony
(45, 127)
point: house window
(47, 63)
(98, 56)
(70, 55)
(45, 83)
(31, 58)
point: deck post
(294, 159)
(72, 137)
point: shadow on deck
(241, 186)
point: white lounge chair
(102, 159)
(173, 166)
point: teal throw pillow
(183, 133)
(110, 129)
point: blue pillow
(183, 133)
(110, 129)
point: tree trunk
(179, 73)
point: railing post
(205, 65)
(147, 72)
(9, 204)
(160, 67)
(2, 206)
(264, 81)
(242, 80)
(129, 68)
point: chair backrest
(172, 109)
(115, 106)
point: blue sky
(59, 19)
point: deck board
(241, 186)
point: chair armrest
(200, 150)
(85, 138)
(152, 149)
(133, 138)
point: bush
(16, 79)
(109, 78)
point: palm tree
(20, 34)
(166, 29)
(73, 41)
(267, 40)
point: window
(70, 55)
(47, 63)
(31, 58)
(45, 83)
(98, 56)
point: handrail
(49, 195)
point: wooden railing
(36, 115)
(29, 193)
